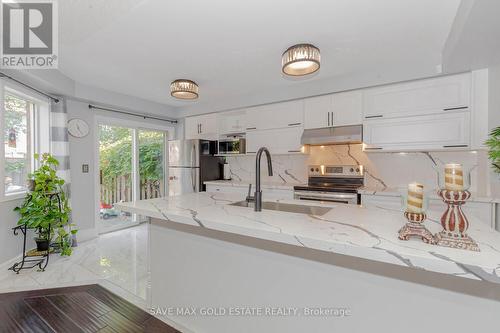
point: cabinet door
(422, 133)
(231, 122)
(191, 128)
(208, 127)
(278, 141)
(436, 95)
(347, 108)
(318, 112)
(277, 115)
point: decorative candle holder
(415, 227)
(454, 222)
(414, 203)
(454, 181)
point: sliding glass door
(151, 164)
(131, 167)
(115, 176)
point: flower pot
(42, 244)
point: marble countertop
(369, 233)
(264, 185)
(395, 192)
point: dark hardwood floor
(90, 308)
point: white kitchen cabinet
(435, 95)
(347, 108)
(340, 109)
(318, 112)
(242, 189)
(231, 122)
(482, 211)
(201, 127)
(277, 115)
(420, 133)
(278, 141)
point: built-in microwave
(231, 145)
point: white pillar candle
(453, 177)
(415, 201)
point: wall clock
(78, 128)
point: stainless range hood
(333, 135)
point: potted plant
(46, 208)
(493, 144)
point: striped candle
(453, 177)
(415, 201)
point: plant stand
(33, 258)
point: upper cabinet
(277, 115)
(419, 133)
(429, 96)
(233, 122)
(340, 109)
(201, 127)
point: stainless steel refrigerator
(190, 164)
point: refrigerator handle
(193, 179)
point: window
(18, 160)
(24, 123)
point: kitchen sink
(284, 207)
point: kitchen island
(344, 269)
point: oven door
(345, 198)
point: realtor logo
(29, 34)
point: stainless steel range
(332, 183)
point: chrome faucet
(258, 191)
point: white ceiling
(232, 49)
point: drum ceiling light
(300, 59)
(184, 89)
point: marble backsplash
(383, 170)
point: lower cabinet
(242, 190)
(278, 141)
(422, 133)
(483, 211)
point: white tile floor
(116, 260)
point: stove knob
(352, 170)
(357, 169)
(317, 170)
(312, 169)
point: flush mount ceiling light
(184, 89)
(300, 59)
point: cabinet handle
(333, 123)
(251, 152)
(377, 116)
(294, 151)
(373, 148)
(201, 131)
(294, 124)
(456, 146)
(457, 108)
(251, 128)
(328, 119)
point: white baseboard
(86, 234)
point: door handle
(457, 108)
(456, 146)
